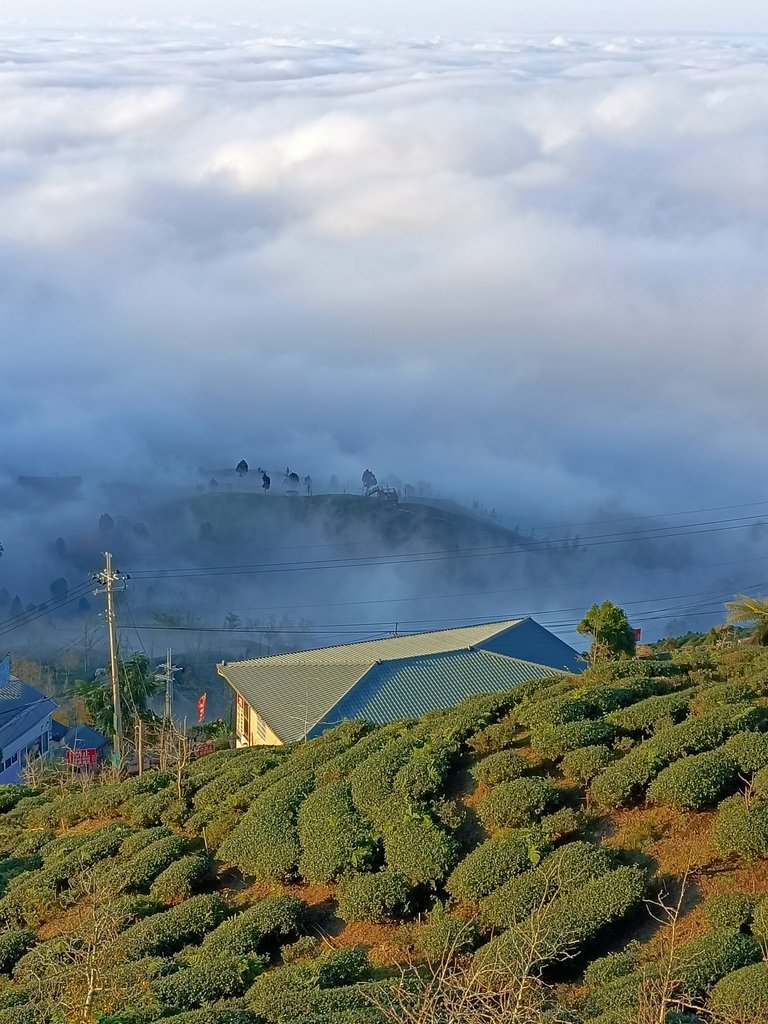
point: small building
(289, 697)
(83, 746)
(25, 723)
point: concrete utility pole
(107, 578)
(168, 713)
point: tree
(265, 482)
(612, 635)
(369, 481)
(16, 609)
(60, 547)
(137, 685)
(754, 610)
(58, 589)
(241, 468)
(106, 523)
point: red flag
(638, 633)
(202, 700)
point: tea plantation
(584, 850)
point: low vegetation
(585, 849)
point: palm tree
(752, 610)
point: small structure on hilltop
(289, 697)
(25, 723)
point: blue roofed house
(288, 697)
(25, 723)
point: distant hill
(595, 844)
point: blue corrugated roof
(83, 737)
(412, 686)
(21, 706)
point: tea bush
(583, 764)
(644, 717)
(496, 737)
(505, 766)
(333, 834)
(693, 782)
(749, 750)
(730, 910)
(495, 861)
(418, 849)
(703, 961)
(554, 741)
(265, 842)
(167, 932)
(512, 804)
(382, 896)
(553, 711)
(183, 878)
(373, 780)
(740, 829)
(13, 945)
(260, 928)
(741, 995)
(207, 980)
(425, 772)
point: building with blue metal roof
(289, 697)
(25, 723)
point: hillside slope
(593, 844)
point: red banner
(203, 749)
(202, 700)
(85, 758)
(638, 633)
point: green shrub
(424, 774)
(265, 842)
(563, 871)
(742, 995)
(136, 842)
(418, 849)
(703, 961)
(710, 697)
(443, 935)
(583, 764)
(339, 768)
(624, 779)
(138, 873)
(554, 741)
(207, 980)
(517, 803)
(147, 809)
(148, 782)
(496, 737)
(333, 834)
(760, 919)
(372, 781)
(693, 782)
(760, 783)
(553, 711)
(216, 1015)
(749, 750)
(183, 878)
(13, 946)
(10, 794)
(607, 969)
(707, 731)
(261, 928)
(562, 824)
(644, 717)
(373, 897)
(730, 910)
(243, 771)
(740, 829)
(505, 766)
(162, 934)
(26, 1014)
(495, 861)
(290, 995)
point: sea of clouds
(533, 270)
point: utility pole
(168, 714)
(107, 578)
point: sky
(529, 270)
(642, 16)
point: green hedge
(417, 848)
(742, 995)
(372, 781)
(147, 809)
(333, 834)
(730, 910)
(512, 804)
(496, 737)
(644, 717)
(443, 935)
(261, 928)
(425, 772)
(504, 766)
(265, 842)
(555, 741)
(373, 897)
(703, 961)
(553, 711)
(218, 1015)
(208, 980)
(183, 878)
(13, 945)
(749, 750)
(167, 932)
(693, 782)
(760, 919)
(139, 872)
(494, 862)
(563, 871)
(709, 697)
(607, 969)
(585, 763)
(740, 829)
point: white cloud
(445, 258)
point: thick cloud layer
(530, 271)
